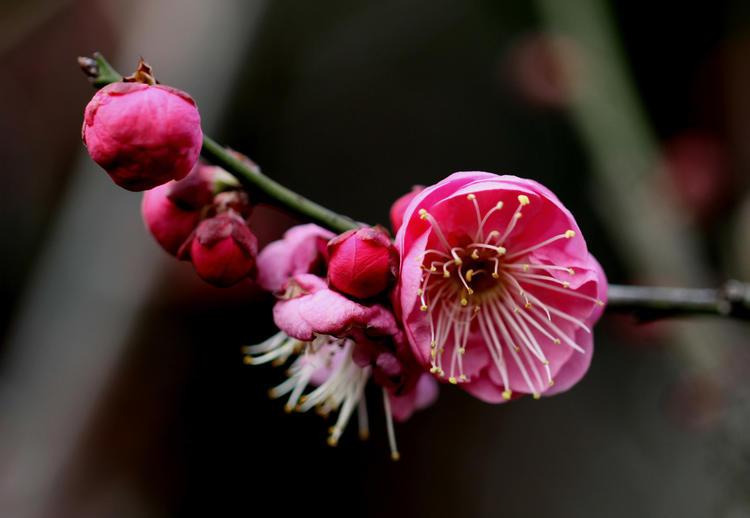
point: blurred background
(122, 388)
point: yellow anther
(525, 267)
(433, 354)
(422, 213)
(433, 370)
(464, 302)
(332, 441)
(458, 261)
(515, 309)
(501, 250)
(494, 233)
(599, 302)
(452, 380)
(446, 273)
(556, 341)
(247, 360)
(477, 308)
(475, 254)
(518, 215)
(566, 284)
(495, 275)
(498, 206)
(571, 271)
(395, 456)
(507, 394)
(569, 234)
(537, 395)
(551, 382)
(433, 269)
(523, 199)
(419, 291)
(461, 350)
(423, 307)
(469, 274)
(433, 343)
(463, 377)
(288, 408)
(545, 362)
(470, 197)
(527, 305)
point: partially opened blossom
(301, 250)
(497, 290)
(341, 345)
(143, 135)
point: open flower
(340, 346)
(497, 290)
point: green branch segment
(101, 73)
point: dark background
(122, 388)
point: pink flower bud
(173, 210)
(223, 250)
(170, 223)
(399, 206)
(362, 262)
(142, 135)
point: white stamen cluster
(482, 287)
(342, 391)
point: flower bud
(142, 135)
(170, 223)
(223, 250)
(173, 210)
(362, 262)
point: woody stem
(645, 302)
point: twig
(645, 302)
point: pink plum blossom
(142, 135)
(497, 290)
(341, 345)
(301, 250)
(362, 262)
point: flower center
(480, 285)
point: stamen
(565, 235)
(473, 199)
(486, 218)
(493, 346)
(572, 293)
(522, 201)
(363, 420)
(525, 267)
(423, 214)
(463, 281)
(521, 276)
(456, 258)
(389, 426)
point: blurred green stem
(647, 303)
